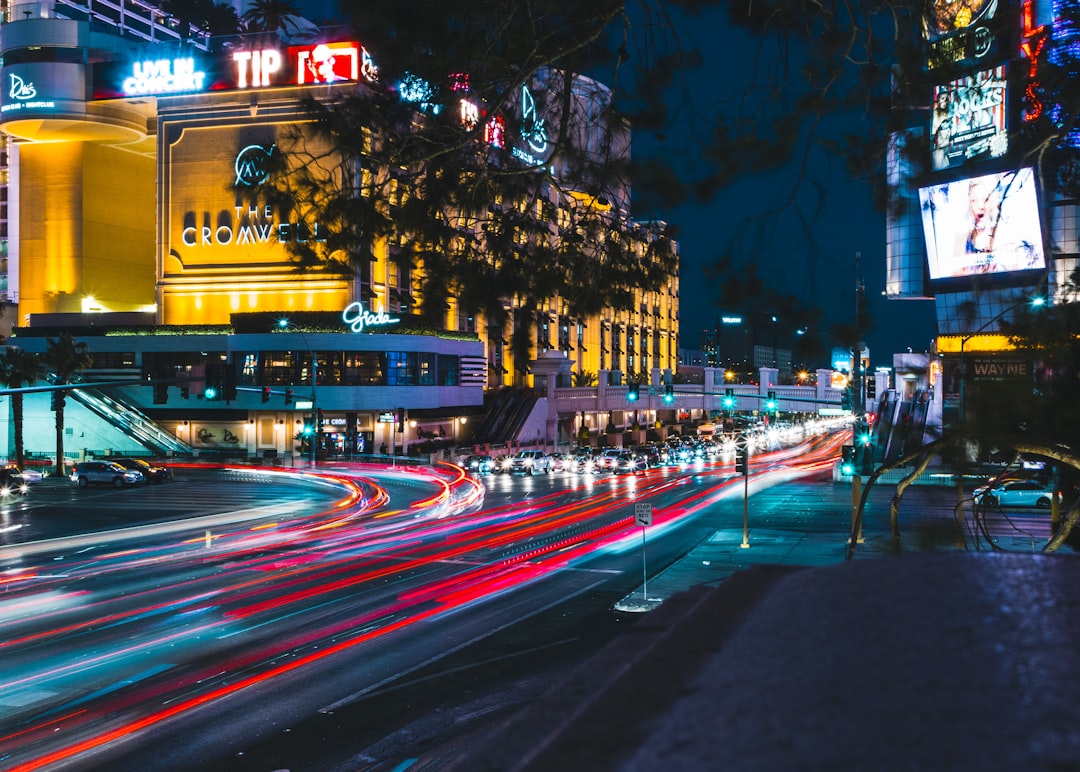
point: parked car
(1014, 493)
(479, 464)
(152, 472)
(104, 473)
(530, 462)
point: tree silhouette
(63, 359)
(19, 368)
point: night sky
(847, 222)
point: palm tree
(269, 15)
(64, 359)
(19, 368)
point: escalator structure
(131, 421)
(901, 425)
(505, 414)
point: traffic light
(632, 392)
(871, 388)
(669, 393)
(770, 402)
(742, 458)
(862, 436)
(308, 426)
(845, 398)
(401, 419)
(847, 460)
(729, 399)
(161, 393)
(54, 400)
(265, 394)
(214, 381)
(185, 391)
(288, 396)
(318, 419)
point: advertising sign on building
(982, 225)
(962, 31)
(249, 68)
(968, 122)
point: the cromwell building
(975, 223)
(135, 166)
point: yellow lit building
(143, 196)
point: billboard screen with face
(968, 120)
(982, 225)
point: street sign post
(643, 517)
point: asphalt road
(437, 625)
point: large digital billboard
(959, 31)
(982, 225)
(968, 121)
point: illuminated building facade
(971, 224)
(136, 158)
(144, 197)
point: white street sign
(643, 514)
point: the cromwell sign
(245, 225)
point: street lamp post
(317, 428)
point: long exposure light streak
(127, 638)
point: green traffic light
(210, 393)
(729, 402)
(847, 468)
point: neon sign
(252, 165)
(162, 76)
(24, 92)
(1031, 46)
(358, 318)
(257, 69)
(333, 63)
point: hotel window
(425, 369)
(449, 370)
(363, 368)
(400, 368)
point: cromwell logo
(253, 165)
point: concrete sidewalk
(785, 656)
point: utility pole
(858, 400)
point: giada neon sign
(359, 318)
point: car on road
(25, 476)
(11, 481)
(479, 464)
(1015, 493)
(627, 462)
(530, 462)
(152, 472)
(104, 473)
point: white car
(530, 462)
(1014, 493)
